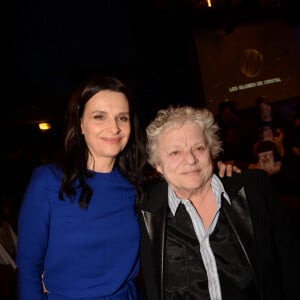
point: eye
(124, 118)
(99, 117)
(174, 153)
(200, 148)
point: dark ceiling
(49, 46)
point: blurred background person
(291, 162)
(264, 112)
(229, 124)
(8, 245)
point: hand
(227, 168)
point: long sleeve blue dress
(82, 254)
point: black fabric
(185, 275)
(259, 222)
(236, 277)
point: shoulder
(155, 196)
(246, 175)
(46, 173)
(253, 179)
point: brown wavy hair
(73, 162)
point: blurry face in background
(184, 159)
(267, 134)
(105, 125)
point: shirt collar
(217, 187)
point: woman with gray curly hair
(206, 237)
(175, 117)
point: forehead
(107, 99)
(180, 134)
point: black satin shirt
(185, 275)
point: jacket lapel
(238, 215)
(155, 223)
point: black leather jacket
(258, 222)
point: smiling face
(184, 159)
(105, 124)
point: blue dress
(84, 254)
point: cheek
(126, 130)
(171, 166)
(88, 128)
(166, 163)
(204, 158)
(174, 165)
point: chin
(192, 184)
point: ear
(158, 168)
(82, 131)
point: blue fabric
(129, 291)
(84, 254)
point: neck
(206, 206)
(101, 166)
(197, 194)
(200, 195)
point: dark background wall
(49, 46)
(160, 47)
(254, 59)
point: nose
(114, 125)
(190, 157)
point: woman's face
(105, 124)
(184, 159)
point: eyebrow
(105, 112)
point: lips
(112, 140)
(191, 172)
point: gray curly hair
(175, 117)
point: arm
(33, 230)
